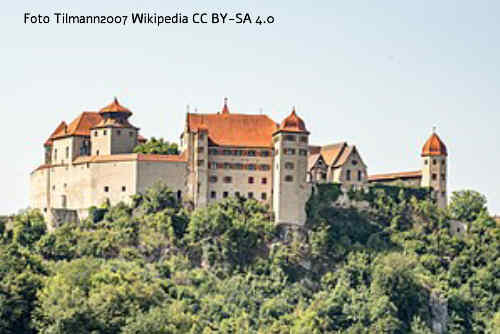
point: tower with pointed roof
(290, 188)
(113, 134)
(434, 166)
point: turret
(113, 134)
(434, 175)
(291, 190)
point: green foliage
(467, 205)
(157, 146)
(156, 267)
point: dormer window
(354, 162)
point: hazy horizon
(378, 76)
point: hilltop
(390, 265)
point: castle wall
(114, 180)
(101, 141)
(122, 140)
(173, 174)
(38, 189)
(240, 177)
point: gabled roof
(331, 153)
(395, 176)
(238, 130)
(59, 128)
(313, 159)
(434, 146)
(80, 126)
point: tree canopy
(152, 266)
(157, 146)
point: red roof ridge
(396, 175)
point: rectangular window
(225, 194)
(238, 166)
(250, 195)
(67, 152)
(442, 177)
(289, 151)
(96, 133)
(237, 194)
(264, 167)
(290, 138)
(213, 194)
(124, 188)
(250, 179)
(227, 165)
(263, 196)
(360, 175)
(251, 153)
(264, 180)
(303, 152)
(106, 189)
(289, 165)
(264, 153)
(131, 134)
(118, 132)
(213, 179)
(201, 163)
(227, 152)
(201, 149)
(228, 179)
(288, 178)
(434, 176)
(251, 167)
(348, 175)
(104, 132)
(303, 139)
(213, 151)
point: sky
(377, 74)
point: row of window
(251, 179)
(118, 133)
(434, 162)
(302, 139)
(225, 194)
(248, 153)
(238, 166)
(434, 176)
(348, 175)
(292, 151)
(229, 179)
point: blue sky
(379, 75)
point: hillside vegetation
(154, 267)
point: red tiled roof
(130, 157)
(59, 128)
(434, 146)
(293, 123)
(395, 176)
(114, 106)
(81, 125)
(237, 130)
(331, 153)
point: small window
(67, 152)
(55, 154)
(53, 187)
(97, 152)
(434, 176)
(179, 194)
(65, 185)
(348, 175)
(201, 163)
(228, 179)
(225, 194)
(443, 193)
(250, 179)
(289, 178)
(360, 175)
(264, 167)
(264, 180)
(213, 179)
(426, 162)
(237, 194)
(303, 139)
(251, 167)
(443, 177)
(251, 153)
(434, 161)
(212, 151)
(302, 152)
(106, 189)
(118, 132)
(290, 138)
(264, 153)
(201, 149)
(213, 194)
(96, 133)
(238, 166)
(289, 165)
(227, 165)
(238, 153)
(104, 133)
(124, 188)
(263, 196)
(354, 162)
(250, 195)
(227, 152)
(212, 165)
(131, 133)
(201, 136)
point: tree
(467, 205)
(155, 146)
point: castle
(91, 160)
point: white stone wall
(118, 176)
(173, 174)
(100, 141)
(434, 174)
(122, 140)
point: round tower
(290, 188)
(113, 134)
(434, 167)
